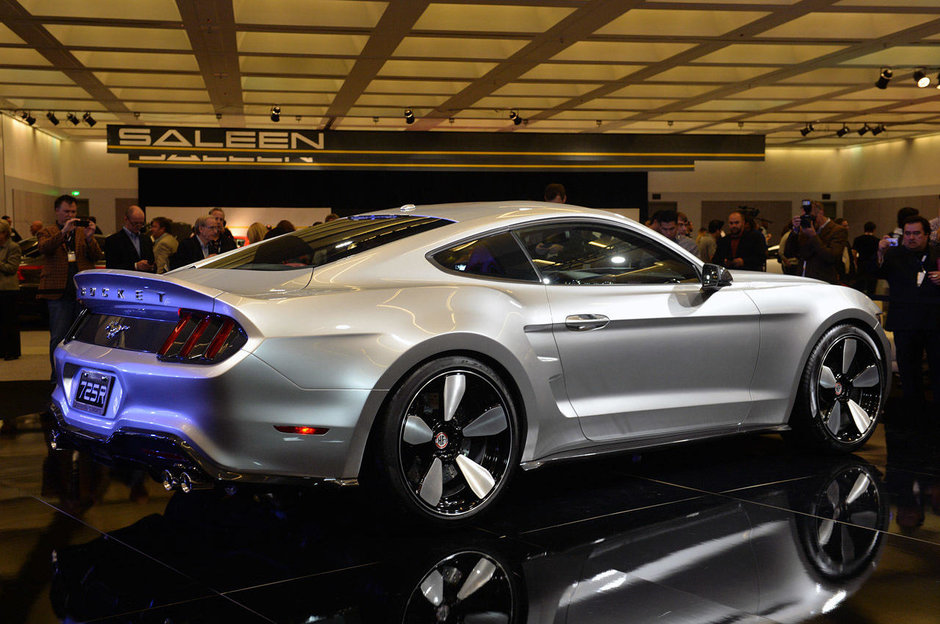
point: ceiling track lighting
(52, 118)
(921, 79)
(88, 119)
(841, 132)
(275, 113)
(863, 130)
(409, 116)
(807, 129)
(516, 119)
(72, 119)
(884, 78)
(878, 129)
(28, 117)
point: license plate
(94, 390)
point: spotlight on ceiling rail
(921, 79)
(863, 130)
(409, 116)
(806, 130)
(52, 118)
(841, 132)
(884, 78)
(878, 129)
(72, 119)
(516, 119)
(88, 119)
(28, 117)
(275, 113)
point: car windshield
(321, 244)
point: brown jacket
(55, 259)
(822, 254)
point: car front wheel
(841, 390)
(449, 440)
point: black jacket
(189, 251)
(119, 251)
(752, 249)
(911, 306)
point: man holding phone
(913, 273)
(818, 242)
(68, 246)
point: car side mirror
(714, 277)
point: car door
(645, 352)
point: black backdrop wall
(351, 192)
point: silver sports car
(433, 351)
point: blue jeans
(62, 313)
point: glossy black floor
(739, 530)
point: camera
(82, 222)
(806, 219)
(893, 240)
(807, 206)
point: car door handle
(586, 322)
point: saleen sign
(151, 146)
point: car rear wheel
(841, 391)
(449, 440)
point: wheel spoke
(432, 587)
(825, 532)
(827, 378)
(848, 546)
(490, 422)
(832, 495)
(454, 386)
(867, 378)
(432, 486)
(848, 354)
(835, 418)
(416, 431)
(859, 488)
(480, 575)
(861, 418)
(478, 478)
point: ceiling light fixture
(52, 118)
(878, 129)
(921, 79)
(88, 119)
(806, 130)
(28, 117)
(409, 116)
(516, 119)
(863, 130)
(72, 119)
(938, 81)
(884, 78)
(275, 113)
(841, 132)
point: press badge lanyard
(923, 271)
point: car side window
(498, 255)
(591, 254)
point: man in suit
(128, 248)
(225, 241)
(67, 246)
(164, 243)
(741, 248)
(200, 245)
(912, 269)
(819, 245)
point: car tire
(841, 391)
(448, 442)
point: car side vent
(202, 338)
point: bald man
(129, 248)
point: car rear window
(321, 244)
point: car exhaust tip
(169, 482)
(189, 483)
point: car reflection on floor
(294, 557)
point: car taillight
(202, 338)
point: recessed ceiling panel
(170, 95)
(8, 36)
(33, 76)
(626, 51)
(405, 101)
(416, 86)
(579, 71)
(835, 76)
(172, 81)
(715, 75)
(300, 43)
(836, 106)
(42, 91)
(449, 47)
(695, 116)
(264, 83)
(294, 66)
(287, 112)
(738, 105)
(785, 93)
(683, 23)
(777, 54)
(136, 60)
(108, 9)
(492, 18)
(436, 69)
(536, 103)
(331, 13)
(159, 107)
(847, 25)
(22, 56)
(287, 97)
(663, 90)
(120, 37)
(603, 115)
(545, 89)
(893, 92)
(899, 56)
(626, 104)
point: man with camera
(68, 246)
(912, 268)
(818, 242)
